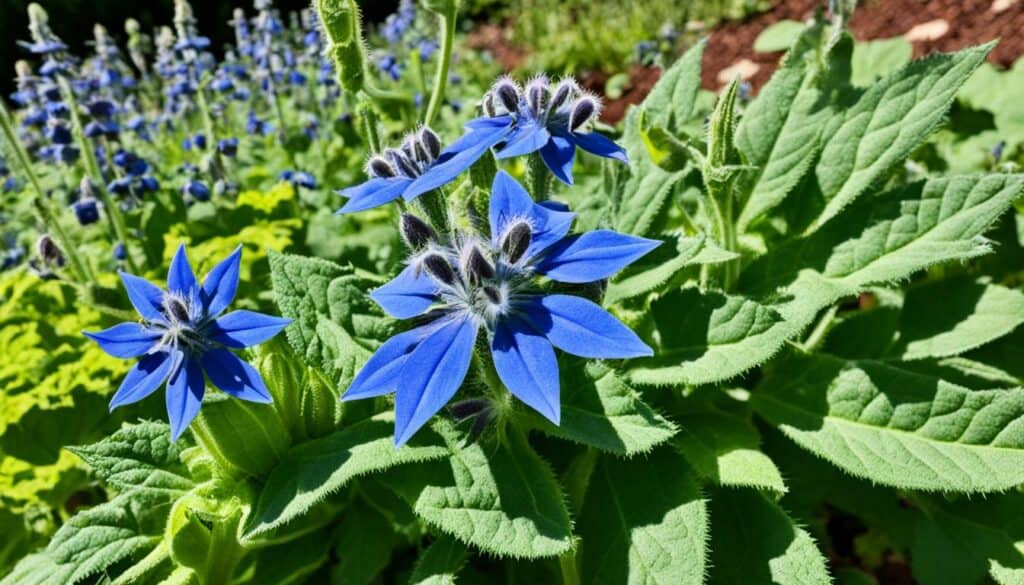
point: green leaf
(754, 541)
(726, 450)
(138, 456)
(778, 36)
(877, 58)
(897, 427)
(671, 101)
(600, 410)
(656, 269)
(946, 318)
(440, 563)
(888, 121)
(502, 499)
(94, 541)
(312, 471)
(363, 544)
(643, 522)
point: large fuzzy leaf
(726, 450)
(139, 456)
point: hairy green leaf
(644, 522)
(671, 102)
(138, 456)
(363, 544)
(440, 563)
(657, 268)
(897, 427)
(754, 541)
(726, 450)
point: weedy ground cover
(345, 305)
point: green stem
(441, 75)
(538, 177)
(368, 118)
(567, 565)
(43, 206)
(93, 170)
(820, 331)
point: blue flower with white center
(522, 121)
(467, 284)
(183, 334)
(394, 171)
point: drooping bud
(175, 308)
(402, 162)
(564, 91)
(378, 167)
(437, 266)
(49, 251)
(416, 233)
(538, 94)
(516, 240)
(583, 110)
(507, 94)
(475, 266)
(430, 142)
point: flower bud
(437, 266)
(338, 18)
(378, 167)
(583, 110)
(49, 251)
(475, 266)
(516, 240)
(131, 26)
(416, 233)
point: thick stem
(93, 169)
(538, 177)
(43, 205)
(441, 75)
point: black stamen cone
(582, 111)
(515, 241)
(402, 163)
(175, 309)
(380, 168)
(507, 94)
(493, 295)
(437, 266)
(416, 233)
(476, 267)
(49, 251)
(431, 142)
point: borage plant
(768, 322)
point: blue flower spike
(185, 333)
(465, 286)
(545, 118)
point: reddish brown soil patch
(491, 37)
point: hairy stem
(441, 75)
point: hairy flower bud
(437, 266)
(378, 167)
(132, 27)
(49, 251)
(583, 111)
(416, 233)
(516, 240)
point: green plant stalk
(225, 552)
(441, 75)
(43, 206)
(538, 177)
(368, 118)
(93, 169)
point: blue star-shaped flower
(468, 284)
(522, 121)
(183, 334)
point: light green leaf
(877, 58)
(140, 456)
(754, 541)
(656, 269)
(363, 544)
(778, 36)
(643, 522)
(502, 499)
(600, 410)
(440, 563)
(888, 121)
(726, 450)
(671, 101)
(314, 470)
(946, 318)
(896, 427)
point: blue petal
(455, 159)
(145, 377)
(554, 205)
(600, 145)
(146, 297)
(510, 201)
(593, 256)
(432, 374)
(558, 155)
(126, 340)
(244, 328)
(235, 376)
(489, 123)
(373, 193)
(184, 395)
(529, 136)
(526, 364)
(582, 328)
(380, 375)
(409, 294)
(221, 284)
(180, 278)
(551, 228)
